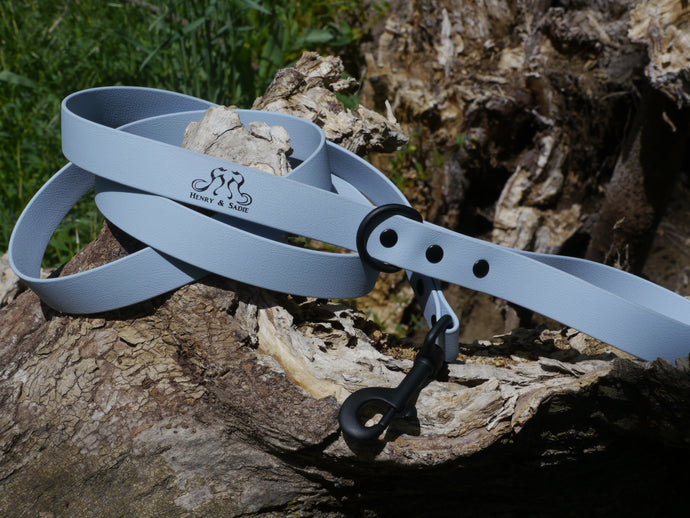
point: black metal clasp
(394, 403)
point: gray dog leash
(125, 141)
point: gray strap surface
(126, 142)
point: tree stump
(221, 399)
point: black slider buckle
(394, 403)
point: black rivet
(434, 254)
(480, 268)
(388, 238)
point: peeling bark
(308, 90)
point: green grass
(223, 51)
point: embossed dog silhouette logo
(233, 184)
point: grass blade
(16, 79)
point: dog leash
(125, 142)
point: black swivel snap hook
(394, 403)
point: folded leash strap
(140, 163)
(126, 142)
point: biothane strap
(145, 152)
(145, 180)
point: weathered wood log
(221, 399)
